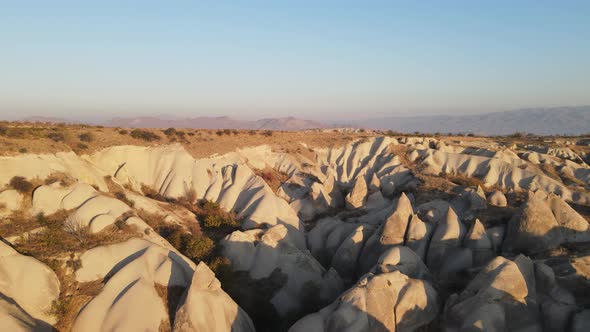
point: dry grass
(171, 297)
(64, 179)
(17, 223)
(57, 248)
(33, 137)
(272, 177)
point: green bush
(196, 247)
(212, 221)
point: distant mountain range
(544, 121)
(288, 123)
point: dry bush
(63, 237)
(191, 195)
(464, 180)
(86, 137)
(145, 135)
(17, 223)
(151, 193)
(214, 217)
(21, 184)
(123, 132)
(272, 177)
(267, 133)
(57, 137)
(64, 179)
(197, 247)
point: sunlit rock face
(382, 234)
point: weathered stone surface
(497, 198)
(533, 228)
(358, 195)
(206, 307)
(385, 302)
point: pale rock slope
(28, 288)
(225, 180)
(262, 252)
(390, 298)
(502, 172)
(129, 300)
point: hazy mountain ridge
(546, 121)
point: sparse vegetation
(267, 133)
(86, 137)
(145, 135)
(123, 132)
(56, 137)
(273, 178)
(516, 135)
(21, 184)
(63, 179)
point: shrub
(16, 133)
(252, 132)
(213, 221)
(227, 131)
(86, 137)
(516, 135)
(63, 179)
(273, 178)
(219, 133)
(21, 184)
(56, 137)
(123, 132)
(23, 150)
(267, 133)
(196, 247)
(169, 131)
(191, 195)
(145, 135)
(3, 131)
(82, 146)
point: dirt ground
(17, 138)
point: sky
(319, 60)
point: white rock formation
(206, 307)
(262, 252)
(29, 283)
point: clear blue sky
(311, 59)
